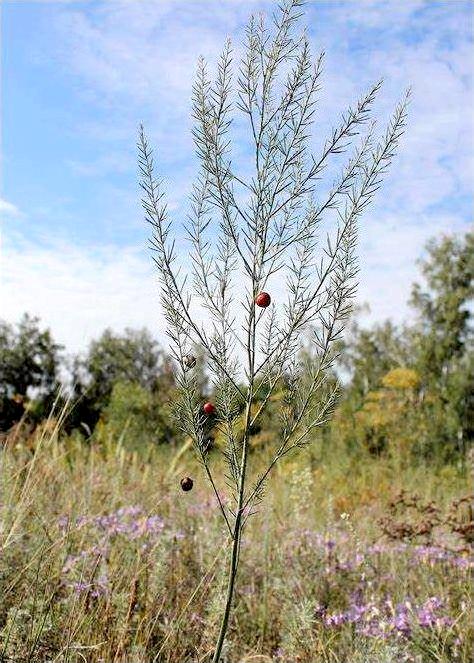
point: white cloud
(390, 247)
(373, 13)
(135, 61)
(79, 291)
(105, 164)
(8, 209)
(40, 2)
(141, 57)
(146, 51)
(435, 161)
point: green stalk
(237, 531)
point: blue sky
(79, 76)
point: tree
(136, 416)
(245, 227)
(367, 354)
(29, 365)
(133, 357)
(442, 307)
(443, 336)
(390, 418)
(438, 348)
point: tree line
(408, 389)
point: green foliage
(411, 388)
(443, 306)
(132, 357)
(443, 337)
(378, 421)
(369, 353)
(29, 362)
(104, 558)
(136, 416)
(409, 391)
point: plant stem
(234, 559)
(230, 591)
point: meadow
(105, 559)
(153, 508)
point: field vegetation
(106, 559)
(361, 552)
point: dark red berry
(186, 484)
(209, 408)
(263, 299)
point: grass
(105, 559)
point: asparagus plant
(257, 267)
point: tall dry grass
(104, 558)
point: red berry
(186, 484)
(263, 299)
(209, 408)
